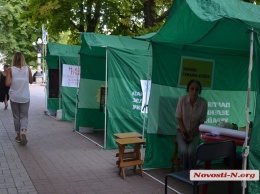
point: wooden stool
(131, 154)
(134, 158)
(175, 159)
(127, 135)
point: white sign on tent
(70, 75)
(146, 88)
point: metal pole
(77, 97)
(148, 78)
(105, 108)
(60, 83)
(245, 150)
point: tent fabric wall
(126, 71)
(216, 30)
(127, 63)
(92, 78)
(57, 55)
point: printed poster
(146, 88)
(196, 68)
(70, 75)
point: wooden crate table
(134, 159)
(127, 135)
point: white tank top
(19, 90)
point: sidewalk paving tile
(57, 160)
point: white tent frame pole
(146, 99)
(145, 102)
(46, 90)
(105, 108)
(59, 84)
(77, 95)
(245, 151)
(45, 81)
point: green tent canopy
(61, 97)
(208, 40)
(110, 93)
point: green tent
(112, 65)
(208, 40)
(61, 90)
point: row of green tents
(61, 97)
(120, 65)
(208, 40)
(112, 68)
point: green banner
(227, 106)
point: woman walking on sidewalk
(18, 77)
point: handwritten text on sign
(70, 75)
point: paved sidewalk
(57, 160)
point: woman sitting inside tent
(190, 113)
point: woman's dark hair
(191, 82)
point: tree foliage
(120, 17)
(15, 34)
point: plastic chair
(206, 152)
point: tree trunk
(93, 17)
(149, 13)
